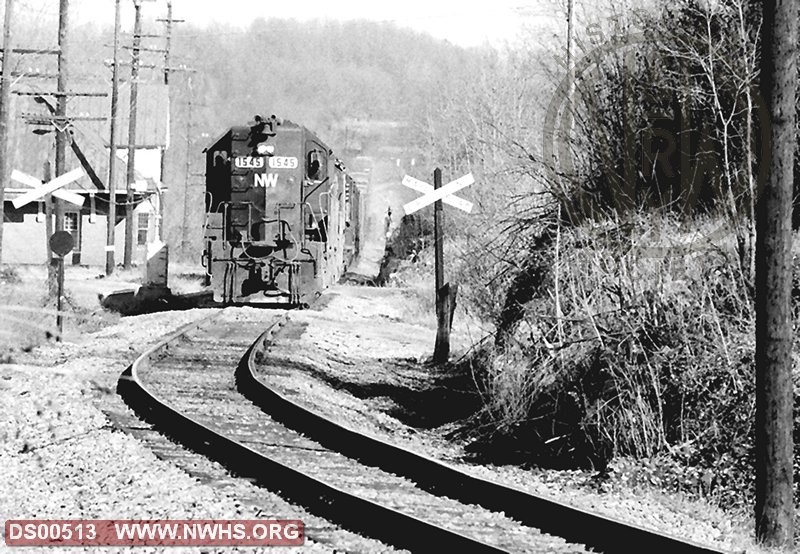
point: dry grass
(641, 365)
(640, 357)
(638, 344)
(28, 312)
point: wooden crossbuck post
(62, 134)
(442, 349)
(61, 242)
(445, 295)
(52, 273)
(438, 244)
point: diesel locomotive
(282, 216)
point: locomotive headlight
(265, 149)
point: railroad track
(184, 386)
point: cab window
(316, 164)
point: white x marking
(33, 182)
(445, 193)
(41, 189)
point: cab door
(314, 190)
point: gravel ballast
(348, 358)
(63, 457)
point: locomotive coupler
(254, 282)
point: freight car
(283, 218)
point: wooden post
(52, 276)
(438, 242)
(131, 175)
(186, 190)
(112, 155)
(60, 302)
(5, 111)
(441, 351)
(61, 105)
(168, 23)
(452, 293)
(163, 170)
(774, 506)
(48, 209)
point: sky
(462, 22)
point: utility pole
(168, 22)
(163, 169)
(167, 49)
(131, 175)
(48, 226)
(774, 506)
(184, 240)
(5, 111)
(112, 156)
(61, 105)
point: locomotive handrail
(325, 214)
(312, 191)
(322, 210)
(316, 221)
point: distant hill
(316, 73)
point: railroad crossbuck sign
(444, 193)
(41, 189)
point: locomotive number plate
(283, 162)
(248, 162)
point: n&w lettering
(265, 180)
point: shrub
(640, 356)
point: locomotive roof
(283, 123)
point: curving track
(431, 507)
